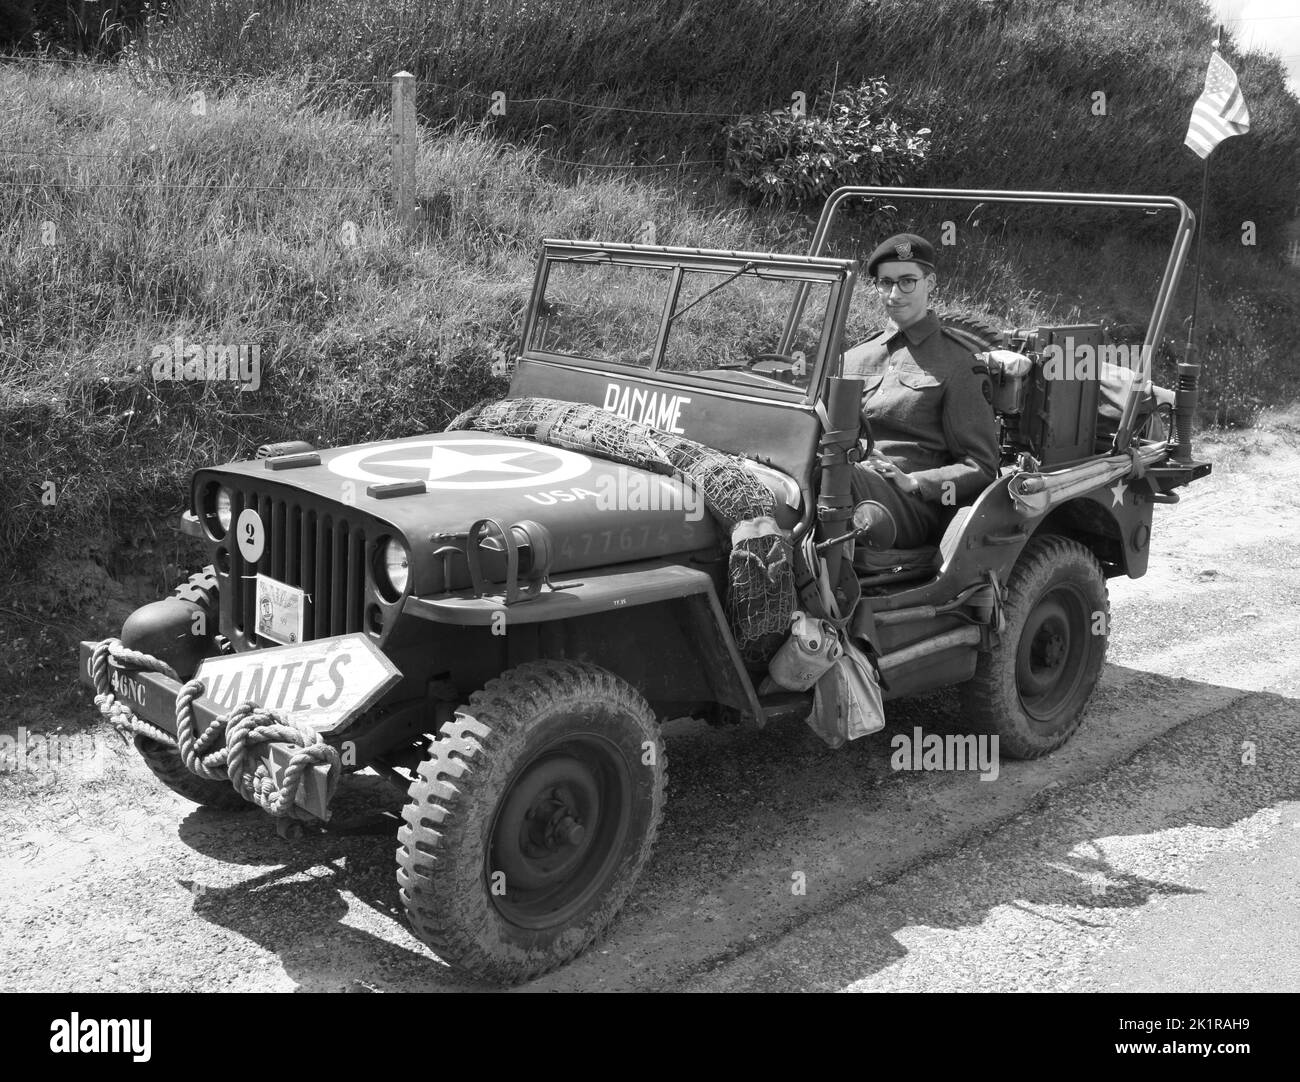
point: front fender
(658, 624)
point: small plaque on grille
(281, 610)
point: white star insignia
(443, 462)
(1117, 492)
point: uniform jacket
(928, 403)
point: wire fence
(421, 84)
(33, 169)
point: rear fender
(1113, 523)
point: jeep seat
(876, 566)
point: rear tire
(530, 819)
(1032, 688)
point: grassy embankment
(226, 228)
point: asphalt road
(1159, 850)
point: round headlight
(394, 567)
(224, 506)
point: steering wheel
(794, 366)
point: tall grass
(1007, 88)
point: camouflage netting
(760, 573)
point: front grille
(321, 552)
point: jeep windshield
(688, 316)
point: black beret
(905, 247)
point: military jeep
(498, 617)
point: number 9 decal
(251, 535)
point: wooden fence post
(404, 143)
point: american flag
(1219, 112)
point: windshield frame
(840, 275)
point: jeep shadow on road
(748, 809)
(296, 906)
(1065, 845)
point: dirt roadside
(109, 882)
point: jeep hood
(597, 511)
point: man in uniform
(928, 403)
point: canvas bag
(847, 701)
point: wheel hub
(1053, 648)
(557, 831)
(1049, 648)
(542, 830)
(552, 820)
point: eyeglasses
(906, 284)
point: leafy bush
(799, 160)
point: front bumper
(152, 697)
